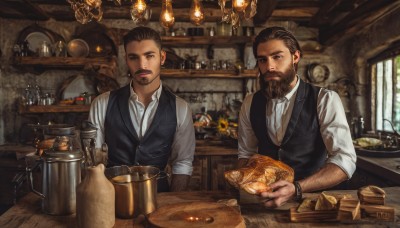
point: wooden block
(313, 216)
(371, 195)
(349, 209)
(383, 213)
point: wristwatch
(298, 194)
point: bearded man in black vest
(293, 121)
(143, 123)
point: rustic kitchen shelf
(191, 73)
(59, 62)
(184, 41)
(53, 108)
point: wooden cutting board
(197, 214)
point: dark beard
(143, 81)
(277, 89)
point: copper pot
(135, 190)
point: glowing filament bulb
(240, 5)
(196, 12)
(167, 18)
(140, 6)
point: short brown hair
(142, 33)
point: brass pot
(135, 190)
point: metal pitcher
(61, 173)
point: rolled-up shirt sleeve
(247, 140)
(335, 132)
(183, 145)
(97, 115)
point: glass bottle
(360, 127)
(37, 95)
(29, 95)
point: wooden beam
(36, 10)
(264, 11)
(361, 17)
(321, 17)
(22, 9)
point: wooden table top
(27, 212)
(387, 168)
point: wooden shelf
(190, 73)
(53, 108)
(184, 41)
(59, 62)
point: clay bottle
(95, 200)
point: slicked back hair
(142, 33)
(277, 33)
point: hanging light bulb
(197, 12)
(93, 3)
(140, 6)
(240, 5)
(167, 18)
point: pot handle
(30, 179)
(163, 174)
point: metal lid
(63, 156)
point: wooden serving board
(313, 216)
(197, 214)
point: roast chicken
(259, 172)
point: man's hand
(282, 191)
(179, 182)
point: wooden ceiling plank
(321, 16)
(294, 13)
(359, 18)
(24, 9)
(265, 8)
(298, 3)
(35, 10)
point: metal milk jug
(61, 173)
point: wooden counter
(27, 212)
(385, 168)
(212, 158)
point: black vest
(124, 146)
(302, 147)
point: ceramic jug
(95, 200)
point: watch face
(317, 73)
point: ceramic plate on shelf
(78, 48)
(317, 73)
(35, 40)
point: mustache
(141, 71)
(271, 74)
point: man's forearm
(179, 182)
(329, 176)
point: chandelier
(89, 10)
(241, 9)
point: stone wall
(352, 55)
(13, 80)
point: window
(386, 92)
